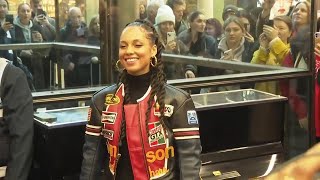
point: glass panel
(227, 30)
(36, 23)
(208, 33)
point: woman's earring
(154, 64)
(117, 66)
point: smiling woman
(136, 51)
(152, 131)
(71, 58)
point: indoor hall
(249, 66)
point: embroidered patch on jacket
(157, 110)
(111, 99)
(89, 114)
(192, 117)
(108, 134)
(156, 134)
(108, 117)
(168, 110)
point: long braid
(161, 93)
(123, 80)
(150, 100)
(157, 83)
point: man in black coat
(16, 123)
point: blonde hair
(20, 6)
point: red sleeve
(288, 89)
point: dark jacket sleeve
(95, 154)
(186, 132)
(3, 34)
(18, 113)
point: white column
(206, 6)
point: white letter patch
(108, 117)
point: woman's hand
(263, 40)
(43, 20)
(189, 74)
(227, 55)
(36, 36)
(7, 26)
(270, 32)
(171, 45)
(248, 37)
(26, 53)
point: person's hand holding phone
(42, 19)
(36, 36)
(171, 41)
(171, 45)
(270, 32)
(227, 55)
(8, 24)
(263, 41)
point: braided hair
(157, 82)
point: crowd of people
(244, 35)
(142, 127)
(31, 24)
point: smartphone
(9, 18)
(228, 52)
(270, 22)
(171, 36)
(41, 12)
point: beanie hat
(229, 8)
(164, 14)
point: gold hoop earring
(117, 66)
(154, 64)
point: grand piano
(241, 136)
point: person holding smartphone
(75, 31)
(6, 30)
(263, 17)
(234, 47)
(164, 25)
(274, 47)
(28, 32)
(16, 123)
(41, 18)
